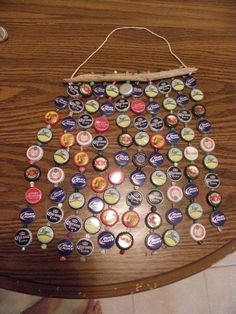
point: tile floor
(209, 292)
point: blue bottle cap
(156, 124)
(68, 124)
(174, 216)
(174, 173)
(73, 223)
(84, 247)
(140, 123)
(182, 100)
(204, 126)
(73, 90)
(106, 240)
(172, 137)
(140, 159)
(122, 105)
(138, 177)
(23, 237)
(95, 205)
(156, 159)
(190, 190)
(153, 107)
(122, 158)
(190, 81)
(27, 215)
(184, 115)
(76, 106)
(99, 142)
(65, 247)
(212, 180)
(61, 102)
(107, 108)
(155, 197)
(99, 90)
(85, 121)
(153, 241)
(134, 199)
(57, 195)
(78, 180)
(54, 215)
(137, 90)
(217, 218)
(164, 87)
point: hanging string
(128, 27)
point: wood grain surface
(47, 40)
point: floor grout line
(222, 266)
(207, 292)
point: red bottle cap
(109, 217)
(101, 124)
(51, 118)
(138, 106)
(33, 195)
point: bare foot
(93, 307)
(44, 305)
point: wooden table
(47, 40)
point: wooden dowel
(136, 77)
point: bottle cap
(138, 177)
(78, 180)
(54, 215)
(207, 144)
(109, 217)
(174, 216)
(51, 118)
(130, 219)
(140, 123)
(122, 105)
(190, 190)
(99, 184)
(85, 89)
(99, 90)
(212, 180)
(100, 163)
(112, 90)
(92, 225)
(172, 137)
(169, 104)
(187, 134)
(34, 153)
(61, 156)
(195, 211)
(33, 195)
(73, 223)
(23, 237)
(155, 197)
(204, 126)
(85, 121)
(107, 108)
(184, 115)
(191, 153)
(182, 100)
(174, 194)
(156, 124)
(171, 120)
(153, 107)
(76, 200)
(139, 159)
(134, 199)
(122, 158)
(153, 241)
(138, 106)
(153, 220)
(95, 205)
(44, 135)
(151, 90)
(174, 173)
(91, 106)
(61, 102)
(106, 240)
(124, 241)
(210, 162)
(81, 159)
(73, 90)
(191, 172)
(123, 121)
(141, 138)
(175, 154)
(32, 173)
(196, 95)
(76, 106)
(214, 198)
(171, 238)
(217, 219)
(164, 87)
(57, 195)
(125, 140)
(199, 110)
(56, 175)
(45, 235)
(158, 178)
(84, 247)
(190, 81)
(27, 215)
(116, 176)
(137, 90)
(197, 232)
(67, 140)
(99, 142)
(65, 247)
(111, 196)
(68, 124)
(157, 141)
(126, 89)
(84, 138)
(177, 85)
(156, 159)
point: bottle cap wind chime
(151, 109)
